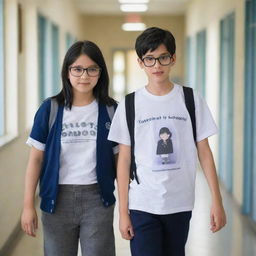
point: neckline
(92, 105)
(146, 93)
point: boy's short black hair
(151, 38)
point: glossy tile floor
(236, 239)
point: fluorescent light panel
(133, 1)
(133, 26)
(133, 7)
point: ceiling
(111, 7)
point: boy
(155, 209)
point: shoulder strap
(53, 113)
(130, 117)
(111, 111)
(190, 104)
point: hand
(218, 217)
(29, 221)
(125, 227)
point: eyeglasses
(91, 71)
(164, 60)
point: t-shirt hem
(164, 211)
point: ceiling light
(133, 26)
(133, 7)
(133, 1)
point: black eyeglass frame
(157, 59)
(85, 69)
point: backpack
(54, 110)
(130, 117)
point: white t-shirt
(165, 152)
(78, 145)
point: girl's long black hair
(100, 91)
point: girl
(74, 160)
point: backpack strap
(190, 105)
(53, 113)
(111, 111)
(130, 117)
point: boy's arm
(218, 217)
(123, 179)
(29, 221)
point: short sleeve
(205, 124)
(40, 127)
(119, 130)
(36, 144)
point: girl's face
(158, 73)
(83, 81)
(164, 136)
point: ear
(140, 62)
(173, 59)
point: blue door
(249, 198)
(226, 101)
(69, 40)
(200, 61)
(55, 59)
(190, 62)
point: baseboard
(13, 238)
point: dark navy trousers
(159, 235)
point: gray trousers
(79, 214)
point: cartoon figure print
(164, 145)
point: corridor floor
(236, 239)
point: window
(128, 76)
(49, 75)
(119, 82)
(2, 123)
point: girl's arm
(123, 179)
(29, 221)
(218, 217)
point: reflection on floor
(236, 239)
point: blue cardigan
(49, 178)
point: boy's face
(157, 73)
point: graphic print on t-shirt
(166, 147)
(78, 132)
